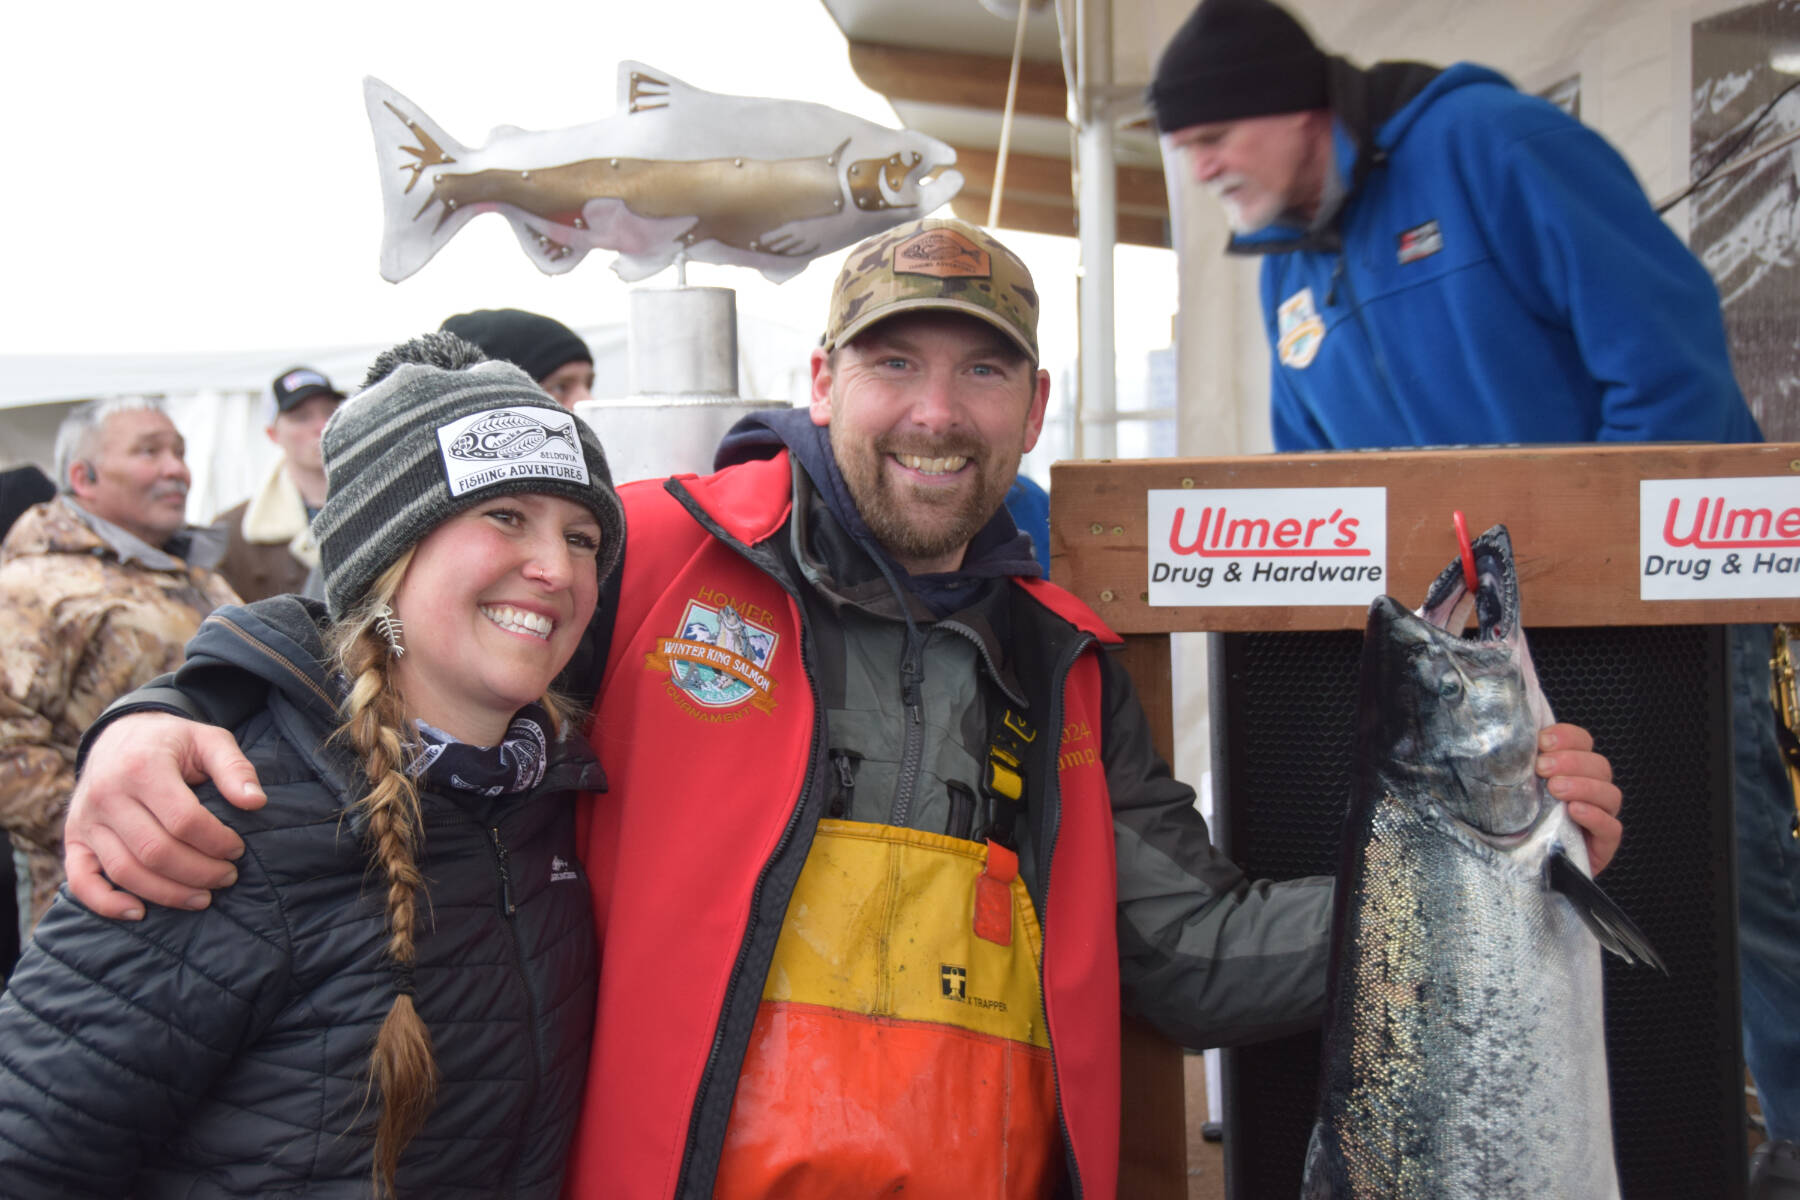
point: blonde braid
(402, 1068)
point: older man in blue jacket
(1446, 260)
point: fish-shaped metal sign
(769, 184)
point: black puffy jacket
(224, 1053)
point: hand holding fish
(1582, 780)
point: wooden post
(1153, 1133)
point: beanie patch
(502, 444)
(408, 453)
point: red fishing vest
(706, 726)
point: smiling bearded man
(929, 385)
(929, 415)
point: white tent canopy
(220, 401)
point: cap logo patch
(294, 380)
(491, 447)
(943, 253)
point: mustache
(1220, 184)
(165, 491)
(949, 446)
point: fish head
(900, 169)
(1454, 717)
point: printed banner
(1718, 539)
(1281, 546)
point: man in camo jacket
(99, 590)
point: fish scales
(1464, 1050)
(1475, 1046)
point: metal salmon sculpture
(1464, 1045)
(769, 184)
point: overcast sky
(194, 176)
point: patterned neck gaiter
(515, 765)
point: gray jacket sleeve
(1206, 956)
(112, 1032)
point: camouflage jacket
(87, 612)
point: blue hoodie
(1494, 275)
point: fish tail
(409, 147)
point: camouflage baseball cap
(934, 265)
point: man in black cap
(547, 350)
(1447, 262)
(270, 549)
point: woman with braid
(397, 997)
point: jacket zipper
(1342, 275)
(509, 909)
(993, 668)
(1053, 811)
(501, 859)
(913, 757)
(268, 652)
(845, 764)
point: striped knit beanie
(406, 454)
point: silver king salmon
(1464, 1051)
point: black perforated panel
(1655, 700)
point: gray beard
(1331, 199)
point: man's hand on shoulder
(134, 823)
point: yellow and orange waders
(900, 1044)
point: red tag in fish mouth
(944, 253)
(1470, 579)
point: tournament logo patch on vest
(719, 657)
(1300, 331)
